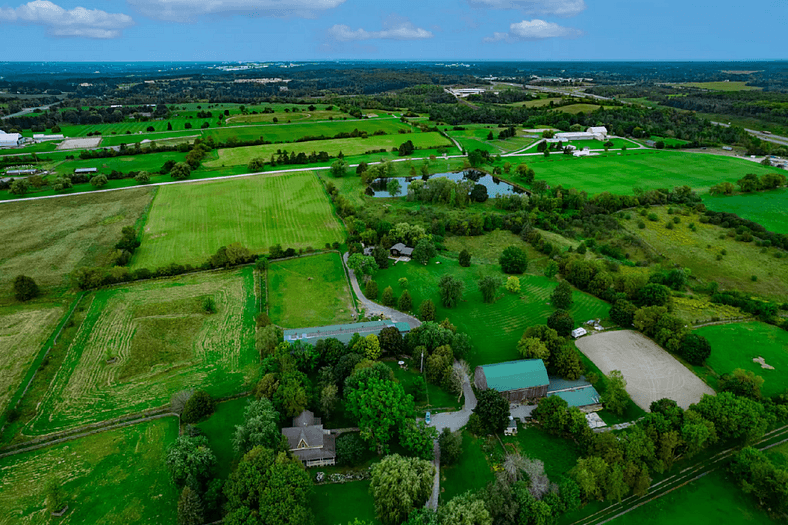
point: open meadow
(472, 471)
(48, 239)
(475, 136)
(736, 345)
(722, 86)
(23, 331)
(619, 173)
(219, 428)
(341, 503)
(494, 328)
(141, 343)
(713, 256)
(189, 222)
(309, 291)
(114, 478)
(767, 208)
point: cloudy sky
(157, 30)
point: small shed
(579, 332)
(511, 428)
(515, 380)
(400, 249)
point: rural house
(308, 441)
(516, 380)
(400, 249)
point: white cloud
(395, 28)
(189, 10)
(536, 7)
(78, 22)
(534, 30)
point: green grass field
(471, 471)
(116, 477)
(474, 137)
(736, 345)
(48, 239)
(295, 131)
(645, 169)
(351, 146)
(189, 222)
(150, 162)
(722, 86)
(23, 330)
(219, 428)
(342, 503)
(494, 328)
(162, 341)
(437, 398)
(558, 455)
(767, 208)
(309, 291)
(698, 251)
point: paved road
(456, 420)
(432, 503)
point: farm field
(474, 136)
(767, 208)
(116, 477)
(736, 345)
(600, 144)
(219, 428)
(722, 86)
(23, 330)
(574, 109)
(494, 328)
(50, 238)
(618, 174)
(470, 472)
(351, 146)
(298, 130)
(189, 222)
(309, 291)
(162, 341)
(650, 372)
(342, 503)
(698, 251)
(150, 162)
(669, 141)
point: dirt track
(651, 373)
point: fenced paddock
(651, 372)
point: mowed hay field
(698, 251)
(736, 345)
(351, 146)
(494, 328)
(189, 222)
(767, 208)
(309, 291)
(647, 169)
(116, 477)
(50, 238)
(162, 340)
(23, 329)
(295, 131)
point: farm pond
(494, 185)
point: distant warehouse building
(10, 140)
(85, 170)
(517, 381)
(45, 138)
(342, 332)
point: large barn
(516, 380)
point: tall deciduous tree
(615, 396)
(488, 285)
(561, 297)
(259, 427)
(400, 485)
(513, 260)
(424, 251)
(465, 509)
(190, 460)
(189, 508)
(493, 411)
(450, 289)
(380, 407)
(25, 288)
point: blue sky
(263, 30)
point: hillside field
(767, 208)
(141, 343)
(494, 328)
(189, 222)
(114, 478)
(736, 345)
(309, 291)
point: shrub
(388, 297)
(695, 349)
(465, 258)
(427, 310)
(142, 177)
(199, 406)
(98, 181)
(371, 290)
(450, 446)
(404, 303)
(209, 305)
(653, 217)
(561, 322)
(513, 260)
(262, 320)
(25, 288)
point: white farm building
(45, 138)
(9, 140)
(594, 133)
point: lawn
(558, 455)
(471, 471)
(767, 208)
(141, 343)
(574, 109)
(115, 477)
(296, 131)
(220, 429)
(722, 86)
(437, 398)
(699, 252)
(23, 331)
(620, 172)
(189, 222)
(50, 238)
(150, 162)
(309, 291)
(494, 328)
(350, 146)
(736, 345)
(341, 503)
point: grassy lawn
(189, 222)
(49, 239)
(350, 146)
(23, 330)
(767, 208)
(736, 345)
(341, 503)
(220, 429)
(698, 251)
(722, 86)
(669, 141)
(619, 173)
(295, 131)
(559, 455)
(309, 291)
(150, 162)
(494, 328)
(162, 341)
(437, 398)
(600, 144)
(115, 477)
(574, 109)
(472, 471)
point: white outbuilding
(44, 138)
(579, 332)
(10, 140)
(599, 132)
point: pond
(494, 185)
